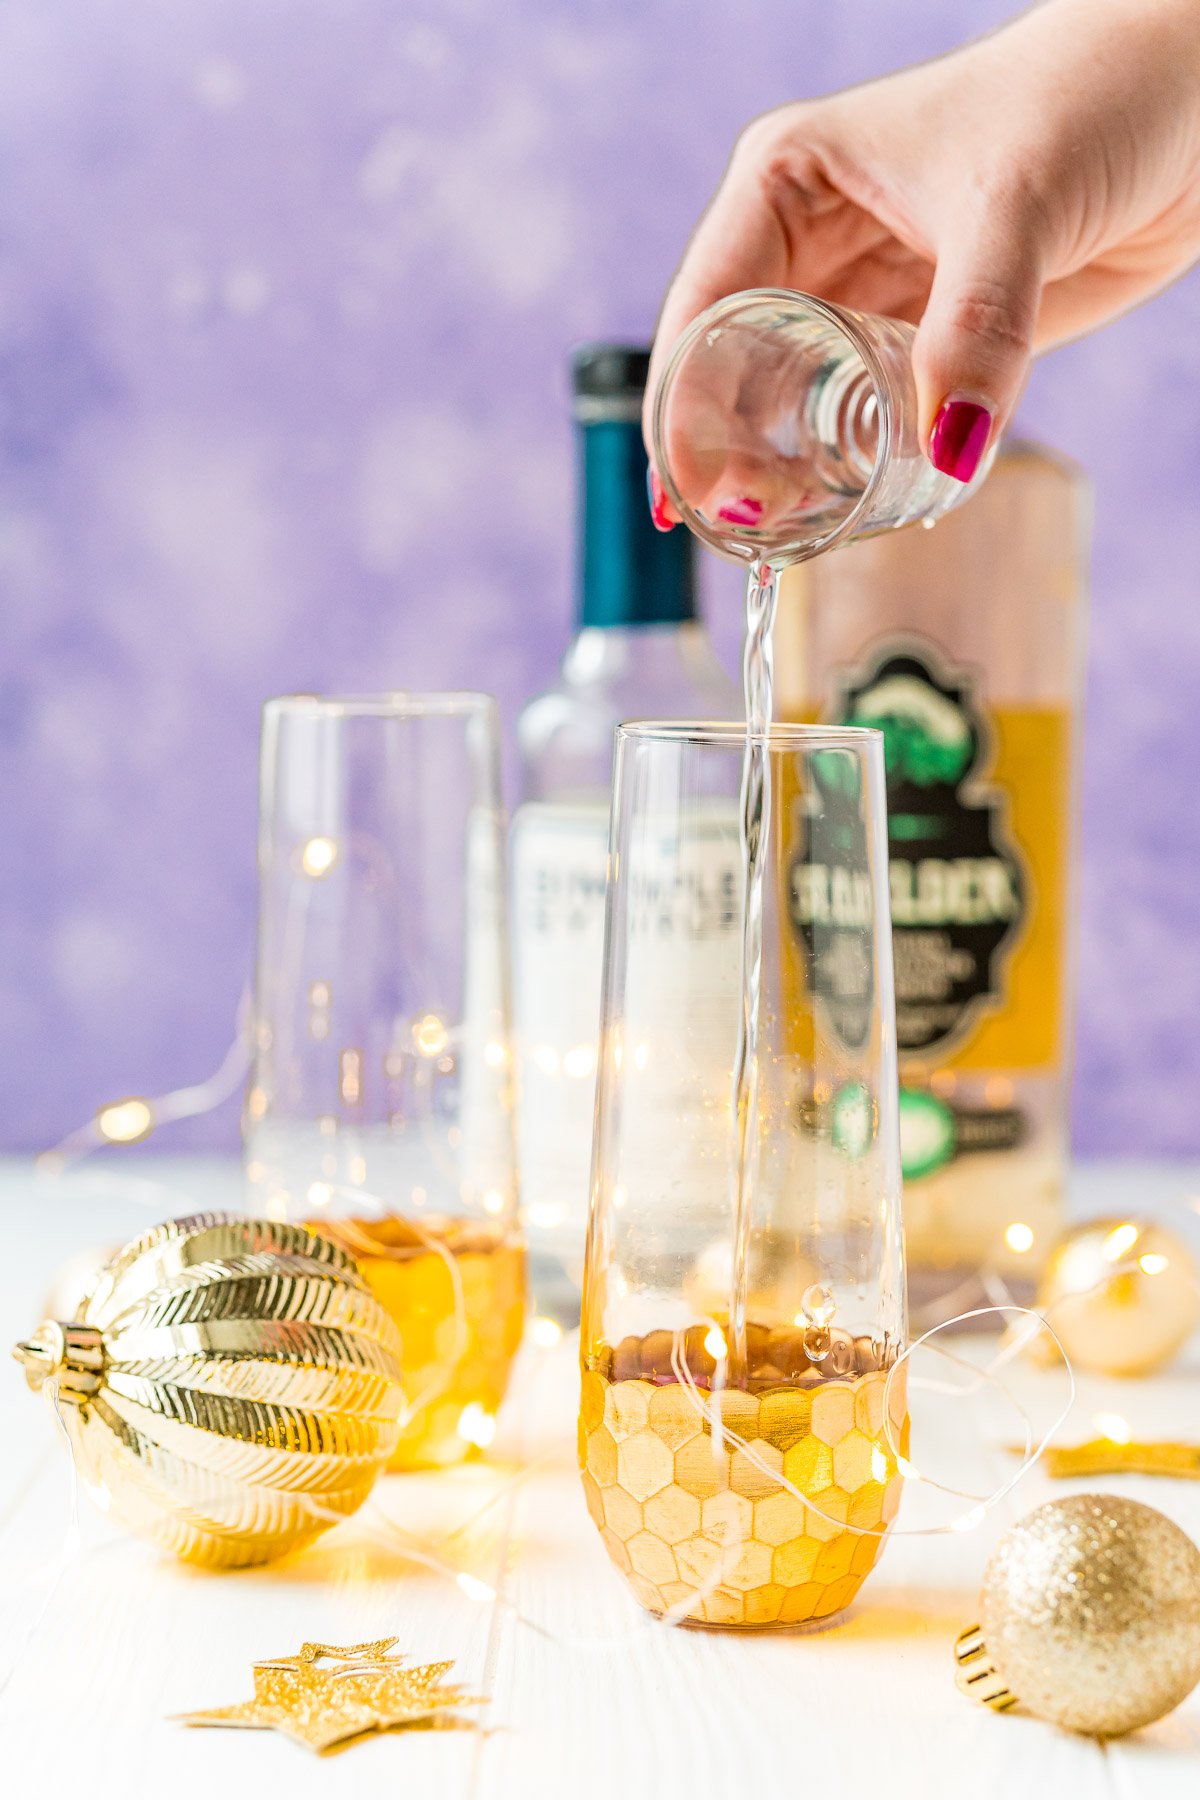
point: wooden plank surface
(588, 1696)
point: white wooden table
(588, 1698)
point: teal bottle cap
(629, 574)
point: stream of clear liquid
(755, 828)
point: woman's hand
(1007, 197)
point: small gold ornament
(331, 1693)
(1091, 1617)
(1122, 1295)
(230, 1386)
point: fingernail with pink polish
(743, 511)
(959, 437)
(658, 502)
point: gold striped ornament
(230, 1386)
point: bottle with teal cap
(639, 651)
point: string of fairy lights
(1080, 1272)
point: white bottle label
(559, 862)
(681, 987)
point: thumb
(972, 351)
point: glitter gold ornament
(331, 1693)
(1090, 1617)
(230, 1386)
(1122, 1295)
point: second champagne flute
(380, 1103)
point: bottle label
(829, 894)
(934, 1131)
(959, 891)
(681, 985)
(559, 861)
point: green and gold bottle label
(958, 888)
(978, 829)
(829, 894)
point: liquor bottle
(963, 643)
(639, 651)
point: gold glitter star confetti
(1119, 1456)
(331, 1693)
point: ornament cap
(66, 1352)
(977, 1675)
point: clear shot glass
(741, 1424)
(380, 1102)
(784, 425)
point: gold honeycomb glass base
(702, 1527)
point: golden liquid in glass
(704, 1528)
(456, 1357)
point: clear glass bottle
(742, 1412)
(963, 644)
(784, 425)
(639, 651)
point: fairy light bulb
(969, 1521)
(430, 1035)
(544, 1215)
(125, 1121)
(350, 1066)
(1119, 1242)
(1019, 1237)
(545, 1333)
(476, 1426)
(318, 857)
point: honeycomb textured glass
(744, 1294)
(705, 1527)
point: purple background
(285, 294)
